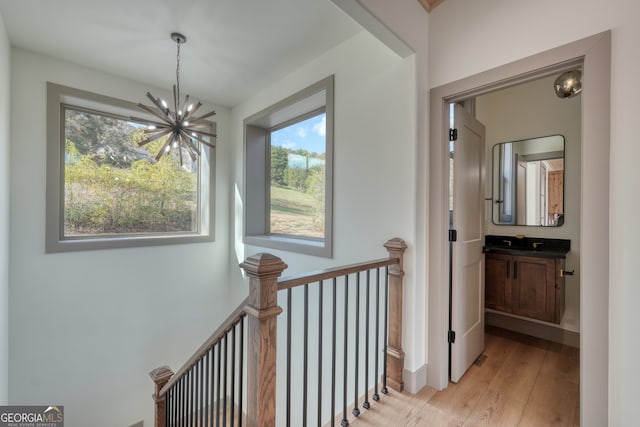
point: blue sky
(307, 135)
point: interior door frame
(594, 55)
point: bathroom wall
(532, 110)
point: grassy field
(294, 212)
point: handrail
(213, 339)
(328, 273)
(261, 310)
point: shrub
(103, 199)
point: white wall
(467, 37)
(5, 55)
(87, 327)
(532, 110)
(374, 146)
(408, 20)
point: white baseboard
(415, 381)
(535, 329)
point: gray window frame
(311, 100)
(58, 97)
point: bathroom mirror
(528, 182)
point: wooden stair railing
(261, 310)
(263, 271)
(396, 248)
(354, 339)
(165, 379)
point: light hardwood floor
(523, 381)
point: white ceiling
(234, 47)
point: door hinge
(453, 134)
(453, 235)
(451, 337)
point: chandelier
(184, 130)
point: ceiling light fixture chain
(179, 39)
(181, 129)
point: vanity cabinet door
(534, 290)
(498, 281)
(526, 286)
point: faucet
(508, 242)
(536, 244)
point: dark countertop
(524, 252)
(527, 246)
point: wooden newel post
(395, 355)
(263, 271)
(160, 377)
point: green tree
(297, 178)
(279, 165)
(316, 188)
(109, 139)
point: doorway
(527, 132)
(593, 54)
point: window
(104, 191)
(288, 173)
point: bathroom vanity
(526, 276)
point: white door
(467, 294)
(521, 205)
